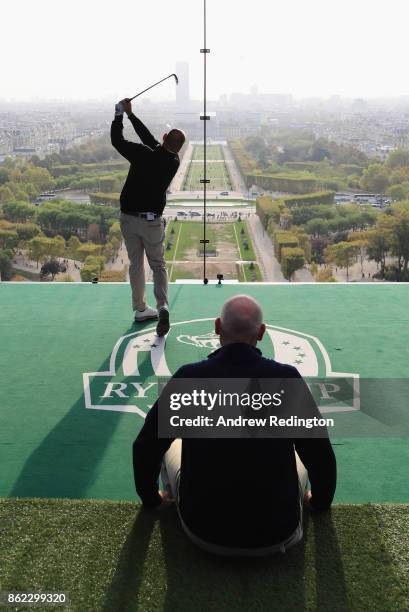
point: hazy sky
(98, 49)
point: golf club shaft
(154, 85)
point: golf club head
(176, 79)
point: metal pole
(205, 143)
(205, 118)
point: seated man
(236, 496)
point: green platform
(52, 445)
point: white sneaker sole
(142, 319)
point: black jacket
(237, 492)
(152, 168)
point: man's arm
(132, 151)
(148, 452)
(316, 453)
(319, 460)
(141, 130)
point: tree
(8, 239)
(25, 232)
(116, 244)
(341, 254)
(4, 175)
(38, 249)
(325, 276)
(380, 241)
(88, 250)
(57, 247)
(92, 267)
(400, 239)
(73, 245)
(292, 259)
(47, 217)
(97, 261)
(317, 227)
(375, 178)
(361, 242)
(6, 269)
(115, 232)
(305, 243)
(52, 267)
(399, 192)
(40, 177)
(88, 273)
(318, 246)
(108, 251)
(19, 212)
(6, 195)
(398, 158)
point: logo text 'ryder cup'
(137, 360)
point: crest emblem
(138, 359)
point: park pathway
(263, 246)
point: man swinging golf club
(143, 199)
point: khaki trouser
(170, 474)
(142, 236)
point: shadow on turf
(65, 462)
(195, 578)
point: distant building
(24, 151)
(183, 89)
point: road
(265, 252)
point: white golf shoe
(145, 315)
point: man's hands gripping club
(124, 106)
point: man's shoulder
(192, 369)
(264, 366)
(283, 370)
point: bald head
(174, 140)
(241, 320)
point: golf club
(154, 85)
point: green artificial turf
(113, 556)
(51, 445)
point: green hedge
(283, 239)
(246, 164)
(309, 166)
(107, 166)
(267, 209)
(104, 198)
(319, 197)
(284, 182)
(292, 259)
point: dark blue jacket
(237, 492)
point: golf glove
(119, 109)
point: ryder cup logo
(138, 359)
(209, 341)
